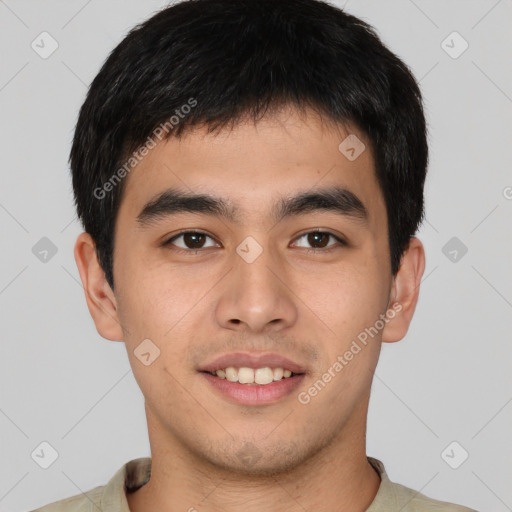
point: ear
(100, 298)
(404, 292)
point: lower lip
(255, 394)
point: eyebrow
(339, 200)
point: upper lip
(252, 360)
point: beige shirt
(391, 497)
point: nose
(255, 297)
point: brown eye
(192, 240)
(319, 240)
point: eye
(320, 241)
(191, 240)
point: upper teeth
(250, 376)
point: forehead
(252, 165)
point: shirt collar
(385, 499)
(129, 477)
(136, 473)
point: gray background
(448, 380)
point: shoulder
(87, 502)
(409, 500)
(396, 497)
(112, 496)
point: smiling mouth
(253, 376)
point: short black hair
(226, 60)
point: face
(282, 262)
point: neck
(338, 477)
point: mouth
(252, 379)
(253, 376)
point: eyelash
(308, 250)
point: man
(250, 178)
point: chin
(250, 459)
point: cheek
(158, 300)
(348, 305)
(348, 299)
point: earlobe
(100, 298)
(405, 292)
